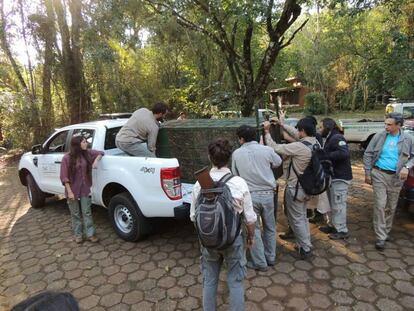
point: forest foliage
(67, 61)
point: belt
(389, 172)
(263, 191)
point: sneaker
(252, 266)
(317, 218)
(339, 235)
(288, 235)
(380, 245)
(327, 229)
(78, 239)
(93, 239)
(304, 255)
(270, 263)
(389, 239)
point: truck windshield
(408, 112)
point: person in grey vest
(337, 151)
(387, 160)
(138, 137)
(296, 199)
(219, 153)
(253, 162)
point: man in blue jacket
(387, 160)
(337, 151)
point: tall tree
(76, 91)
(232, 26)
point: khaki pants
(296, 213)
(386, 192)
(338, 194)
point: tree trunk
(47, 112)
(85, 103)
(78, 102)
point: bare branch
(283, 45)
(247, 63)
(219, 26)
(233, 33)
(183, 21)
(269, 17)
(290, 13)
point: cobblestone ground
(162, 273)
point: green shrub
(314, 103)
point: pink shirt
(79, 183)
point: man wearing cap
(387, 160)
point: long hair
(75, 155)
(329, 124)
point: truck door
(50, 160)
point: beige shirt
(239, 190)
(299, 154)
(141, 127)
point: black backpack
(217, 222)
(318, 174)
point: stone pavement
(162, 272)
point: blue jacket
(337, 150)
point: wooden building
(291, 96)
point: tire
(127, 219)
(366, 143)
(36, 196)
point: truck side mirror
(37, 149)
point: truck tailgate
(186, 190)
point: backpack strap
(306, 143)
(226, 178)
(297, 182)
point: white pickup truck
(133, 189)
(361, 131)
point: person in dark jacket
(337, 151)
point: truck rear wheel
(127, 219)
(36, 196)
(366, 143)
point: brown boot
(93, 239)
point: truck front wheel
(127, 219)
(36, 196)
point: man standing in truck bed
(138, 136)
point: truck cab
(406, 108)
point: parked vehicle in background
(406, 107)
(134, 189)
(407, 192)
(360, 131)
(229, 114)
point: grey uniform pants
(337, 195)
(263, 250)
(138, 149)
(80, 211)
(296, 213)
(387, 189)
